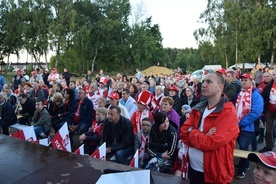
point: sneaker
(265, 149)
(113, 158)
(241, 175)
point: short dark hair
(118, 109)
(22, 95)
(126, 90)
(38, 100)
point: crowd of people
(157, 114)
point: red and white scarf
(243, 104)
(142, 149)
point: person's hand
(211, 131)
(165, 155)
(82, 137)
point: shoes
(265, 149)
(113, 158)
(241, 175)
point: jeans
(121, 155)
(244, 140)
(270, 118)
(38, 131)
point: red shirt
(272, 98)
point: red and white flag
(27, 134)
(80, 150)
(43, 142)
(61, 139)
(135, 160)
(100, 153)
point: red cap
(114, 95)
(104, 80)
(173, 88)
(267, 158)
(222, 71)
(33, 72)
(54, 69)
(144, 98)
(247, 76)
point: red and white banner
(61, 139)
(135, 160)
(100, 153)
(80, 150)
(27, 134)
(43, 142)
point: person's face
(187, 115)
(144, 88)
(188, 92)
(263, 175)
(165, 125)
(66, 95)
(2, 99)
(210, 86)
(246, 83)
(183, 111)
(113, 116)
(125, 96)
(134, 81)
(101, 103)
(158, 91)
(166, 107)
(267, 77)
(99, 116)
(35, 85)
(39, 106)
(72, 85)
(229, 77)
(274, 75)
(172, 93)
(131, 89)
(146, 126)
(22, 100)
(138, 86)
(119, 86)
(141, 107)
(113, 101)
(81, 94)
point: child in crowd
(185, 113)
(141, 142)
(265, 170)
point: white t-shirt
(196, 155)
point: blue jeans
(244, 140)
(121, 155)
(38, 131)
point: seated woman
(68, 100)
(55, 107)
(162, 144)
(91, 139)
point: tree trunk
(94, 59)
(272, 58)
(237, 47)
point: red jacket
(219, 147)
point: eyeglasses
(146, 125)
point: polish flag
(27, 134)
(100, 153)
(61, 139)
(134, 160)
(43, 142)
(80, 150)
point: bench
(241, 153)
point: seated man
(7, 114)
(28, 109)
(80, 114)
(41, 120)
(118, 135)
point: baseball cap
(247, 76)
(114, 95)
(222, 71)
(173, 88)
(267, 158)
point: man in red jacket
(211, 133)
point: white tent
(246, 65)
